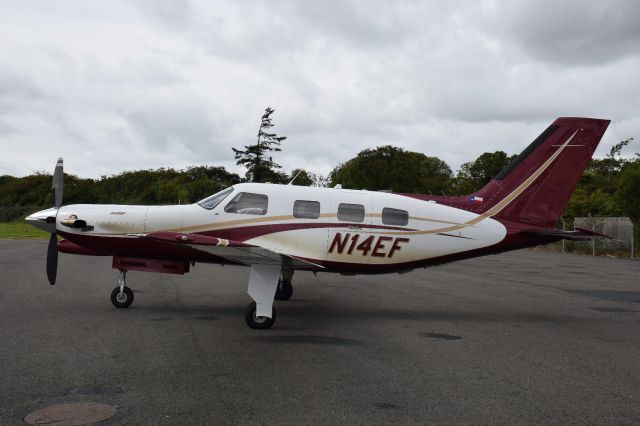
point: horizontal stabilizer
(578, 234)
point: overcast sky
(126, 85)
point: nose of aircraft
(44, 219)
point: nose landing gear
(122, 296)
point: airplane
(276, 230)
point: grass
(21, 230)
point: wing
(234, 251)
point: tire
(284, 291)
(258, 323)
(124, 300)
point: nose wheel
(122, 296)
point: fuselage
(342, 230)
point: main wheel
(260, 323)
(122, 300)
(284, 291)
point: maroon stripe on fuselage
(244, 233)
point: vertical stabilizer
(536, 186)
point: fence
(621, 230)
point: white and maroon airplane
(278, 229)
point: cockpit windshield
(215, 199)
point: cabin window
(306, 209)
(395, 217)
(213, 200)
(248, 203)
(351, 212)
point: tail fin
(536, 186)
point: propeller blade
(58, 183)
(52, 259)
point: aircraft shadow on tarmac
(306, 315)
(614, 296)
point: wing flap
(234, 251)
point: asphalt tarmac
(519, 338)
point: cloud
(574, 32)
(121, 86)
(173, 14)
(167, 125)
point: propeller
(52, 250)
(57, 184)
(52, 259)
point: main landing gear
(266, 283)
(284, 291)
(258, 322)
(122, 296)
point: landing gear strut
(263, 281)
(122, 296)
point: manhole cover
(75, 413)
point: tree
(474, 175)
(392, 168)
(628, 193)
(608, 168)
(590, 202)
(260, 165)
(617, 148)
(596, 194)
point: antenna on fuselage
(298, 174)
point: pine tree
(260, 165)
